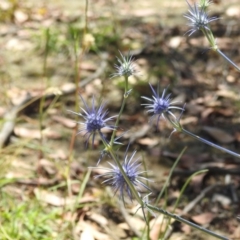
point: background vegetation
(52, 51)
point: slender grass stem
(169, 176)
(182, 191)
(45, 84)
(183, 220)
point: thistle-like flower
(198, 17)
(115, 178)
(160, 106)
(125, 66)
(95, 120)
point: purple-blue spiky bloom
(95, 120)
(198, 17)
(115, 178)
(160, 105)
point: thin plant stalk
(186, 184)
(169, 176)
(77, 59)
(177, 126)
(227, 59)
(182, 191)
(163, 190)
(74, 133)
(148, 213)
(45, 84)
(183, 220)
(82, 189)
(210, 143)
(125, 96)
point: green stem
(209, 35)
(183, 220)
(125, 96)
(169, 176)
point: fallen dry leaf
(206, 112)
(48, 166)
(68, 87)
(58, 154)
(223, 200)
(58, 201)
(175, 41)
(236, 233)
(101, 220)
(87, 234)
(35, 133)
(88, 66)
(204, 218)
(82, 226)
(20, 16)
(67, 122)
(17, 95)
(2, 111)
(16, 44)
(227, 112)
(52, 134)
(228, 94)
(233, 11)
(189, 120)
(186, 229)
(158, 226)
(27, 133)
(148, 141)
(237, 136)
(219, 135)
(52, 198)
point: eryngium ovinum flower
(94, 120)
(125, 66)
(160, 105)
(198, 18)
(115, 178)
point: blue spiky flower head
(160, 105)
(198, 18)
(115, 178)
(94, 119)
(125, 66)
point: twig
(9, 121)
